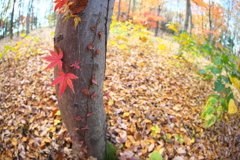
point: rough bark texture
(73, 42)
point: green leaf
(219, 110)
(216, 70)
(210, 120)
(223, 102)
(208, 111)
(215, 96)
(155, 155)
(225, 58)
(219, 86)
(218, 61)
(202, 71)
(211, 102)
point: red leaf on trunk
(91, 46)
(100, 34)
(94, 81)
(78, 118)
(97, 52)
(85, 128)
(64, 80)
(75, 65)
(94, 95)
(89, 114)
(85, 91)
(56, 59)
(59, 4)
(78, 5)
(93, 28)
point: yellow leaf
(232, 108)
(112, 43)
(76, 21)
(56, 121)
(123, 46)
(14, 141)
(122, 38)
(161, 47)
(27, 37)
(126, 114)
(22, 35)
(235, 81)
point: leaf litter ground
(152, 100)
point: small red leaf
(78, 118)
(89, 114)
(64, 80)
(85, 91)
(59, 4)
(56, 60)
(94, 95)
(100, 34)
(91, 46)
(93, 28)
(94, 81)
(98, 51)
(85, 128)
(75, 65)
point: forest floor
(153, 102)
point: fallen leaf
(232, 108)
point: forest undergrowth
(152, 100)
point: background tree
(83, 112)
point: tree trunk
(188, 11)
(119, 10)
(11, 22)
(28, 16)
(129, 9)
(157, 23)
(74, 45)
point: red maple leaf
(56, 59)
(64, 80)
(78, 118)
(85, 128)
(94, 81)
(59, 4)
(75, 65)
(89, 114)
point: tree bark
(74, 45)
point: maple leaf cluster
(65, 79)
